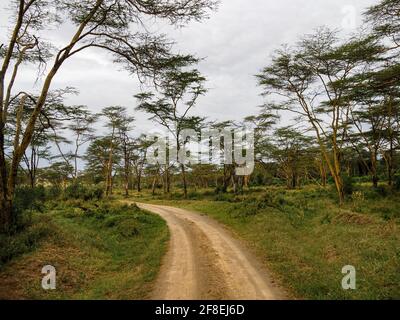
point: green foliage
(27, 200)
(106, 250)
(348, 185)
(223, 197)
(125, 220)
(54, 192)
(13, 245)
(306, 238)
(80, 191)
(396, 184)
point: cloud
(236, 42)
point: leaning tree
(116, 26)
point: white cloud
(237, 42)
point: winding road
(205, 262)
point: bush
(220, 197)
(397, 182)
(27, 200)
(348, 185)
(219, 189)
(53, 192)
(79, 191)
(128, 228)
(193, 195)
(382, 191)
(13, 245)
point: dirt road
(205, 262)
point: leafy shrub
(220, 197)
(397, 182)
(128, 228)
(348, 185)
(13, 245)
(358, 199)
(27, 200)
(219, 189)
(193, 195)
(79, 191)
(53, 192)
(382, 191)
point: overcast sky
(236, 42)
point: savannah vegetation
(324, 192)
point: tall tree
(312, 78)
(126, 145)
(119, 125)
(81, 126)
(140, 146)
(101, 24)
(291, 150)
(179, 90)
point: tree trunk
(294, 181)
(167, 180)
(6, 217)
(126, 185)
(323, 173)
(185, 193)
(374, 171)
(110, 166)
(153, 187)
(234, 184)
(390, 165)
(139, 182)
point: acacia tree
(291, 150)
(124, 126)
(312, 78)
(57, 173)
(385, 21)
(179, 90)
(262, 123)
(97, 157)
(228, 170)
(119, 124)
(140, 148)
(46, 128)
(103, 24)
(81, 126)
(374, 93)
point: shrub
(397, 182)
(348, 185)
(27, 200)
(80, 191)
(219, 189)
(382, 191)
(13, 245)
(193, 195)
(128, 228)
(53, 192)
(220, 197)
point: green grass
(306, 239)
(100, 251)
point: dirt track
(205, 262)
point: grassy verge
(306, 239)
(100, 251)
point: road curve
(205, 262)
